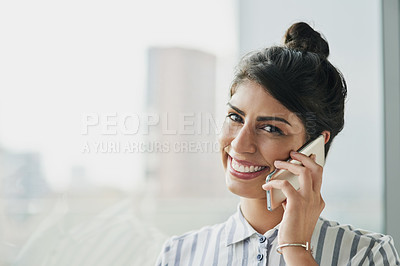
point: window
(84, 139)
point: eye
(273, 129)
(235, 117)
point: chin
(251, 190)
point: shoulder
(188, 238)
(338, 243)
(176, 247)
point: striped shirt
(235, 242)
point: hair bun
(300, 36)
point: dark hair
(299, 75)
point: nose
(244, 141)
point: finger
(284, 205)
(310, 163)
(317, 182)
(287, 189)
(307, 161)
(305, 180)
(296, 169)
(313, 157)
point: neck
(256, 213)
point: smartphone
(275, 197)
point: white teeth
(235, 166)
(245, 169)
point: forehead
(251, 97)
(254, 100)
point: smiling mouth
(246, 168)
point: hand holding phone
(275, 196)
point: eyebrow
(260, 118)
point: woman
(281, 98)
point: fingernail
(293, 153)
(314, 156)
(277, 163)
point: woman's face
(257, 131)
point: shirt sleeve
(163, 257)
(378, 252)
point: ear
(327, 135)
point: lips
(240, 167)
(245, 170)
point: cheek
(226, 135)
(270, 150)
(276, 150)
(225, 138)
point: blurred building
(182, 156)
(22, 181)
(22, 189)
